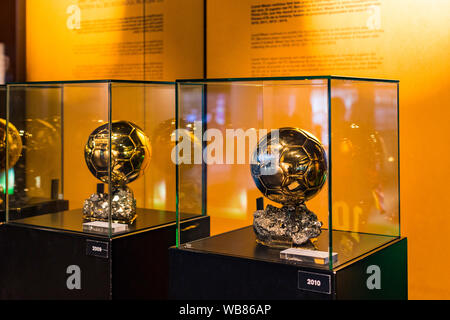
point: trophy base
(122, 202)
(285, 227)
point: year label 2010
(313, 282)
(316, 282)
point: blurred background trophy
(15, 150)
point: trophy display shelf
(89, 264)
(233, 265)
(33, 207)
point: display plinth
(50, 257)
(233, 266)
(34, 207)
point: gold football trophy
(127, 160)
(289, 166)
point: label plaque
(97, 248)
(316, 282)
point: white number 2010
(313, 282)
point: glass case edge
(8, 99)
(330, 206)
(177, 179)
(323, 77)
(398, 161)
(100, 81)
(110, 190)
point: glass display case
(104, 147)
(296, 170)
(66, 131)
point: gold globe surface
(130, 152)
(298, 166)
(14, 145)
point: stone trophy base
(123, 206)
(285, 227)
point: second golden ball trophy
(129, 157)
(289, 166)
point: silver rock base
(285, 227)
(123, 206)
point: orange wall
(85, 40)
(409, 42)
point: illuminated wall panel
(109, 39)
(406, 40)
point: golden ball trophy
(289, 167)
(129, 157)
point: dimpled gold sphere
(130, 152)
(298, 166)
(14, 145)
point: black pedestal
(34, 207)
(50, 257)
(233, 266)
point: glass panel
(150, 111)
(34, 148)
(105, 146)
(55, 121)
(365, 165)
(190, 170)
(236, 115)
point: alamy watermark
(374, 280)
(236, 147)
(73, 281)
